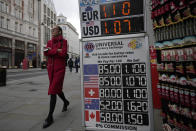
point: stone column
(13, 53)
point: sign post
(116, 84)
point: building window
(33, 31)
(2, 6)
(1, 21)
(16, 26)
(48, 21)
(18, 2)
(48, 12)
(52, 24)
(7, 8)
(20, 27)
(51, 15)
(54, 17)
(59, 20)
(48, 33)
(8, 24)
(17, 13)
(30, 18)
(45, 9)
(20, 14)
(30, 30)
(44, 19)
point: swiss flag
(92, 116)
(91, 92)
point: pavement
(22, 70)
(24, 105)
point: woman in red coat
(56, 52)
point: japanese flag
(92, 116)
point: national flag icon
(89, 23)
(92, 115)
(91, 81)
(91, 92)
(91, 69)
(92, 104)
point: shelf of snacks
(174, 25)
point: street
(24, 102)
(21, 75)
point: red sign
(91, 92)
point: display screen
(122, 90)
(108, 18)
(122, 26)
(121, 9)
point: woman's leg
(66, 102)
(49, 119)
(62, 96)
(52, 106)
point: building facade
(71, 35)
(47, 22)
(18, 32)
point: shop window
(20, 45)
(31, 47)
(5, 42)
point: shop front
(19, 53)
(31, 54)
(5, 52)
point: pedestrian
(70, 63)
(76, 64)
(21, 64)
(56, 51)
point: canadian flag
(92, 116)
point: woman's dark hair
(60, 29)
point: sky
(70, 9)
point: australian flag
(91, 69)
(92, 104)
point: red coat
(56, 64)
